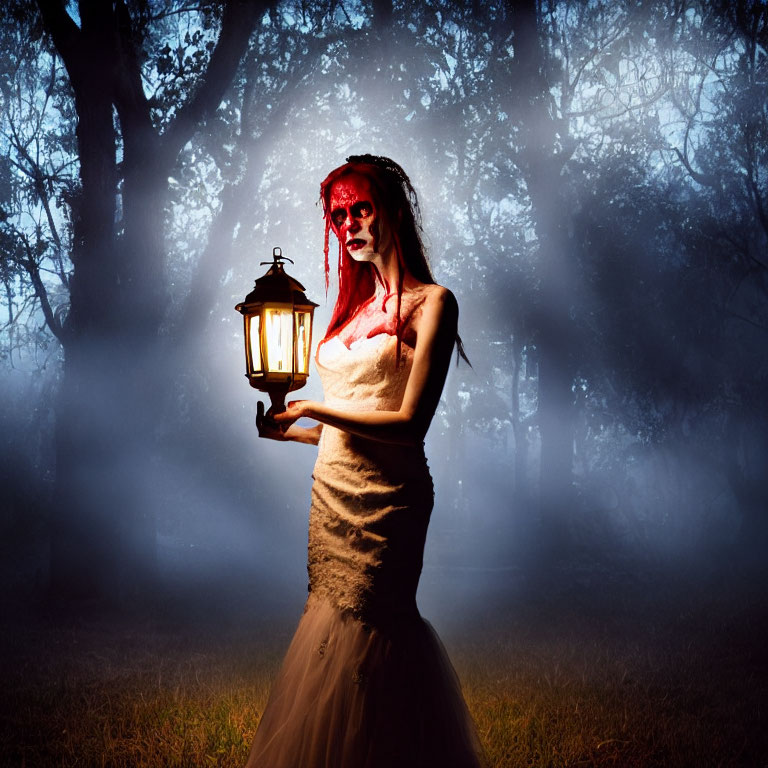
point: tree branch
(130, 100)
(35, 173)
(240, 17)
(737, 316)
(230, 214)
(33, 270)
(67, 37)
(753, 187)
(701, 178)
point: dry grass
(573, 701)
(118, 695)
(574, 681)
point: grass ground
(584, 672)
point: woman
(365, 682)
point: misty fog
(659, 397)
(593, 180)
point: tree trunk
(519, 429)
(82, 530)
(103, 543)
(743, 460)
(540, 161)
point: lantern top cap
(276, 286)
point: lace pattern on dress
(371, 501)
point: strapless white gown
(366, 682)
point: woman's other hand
(280, 426)
(267, 426)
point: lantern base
(277, 398)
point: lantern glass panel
(253, 338)
(303, 324)
(279, 340)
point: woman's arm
(435, 337)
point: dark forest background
(594, 184)
(594, 179)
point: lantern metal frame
(278, 293)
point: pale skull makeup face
(353, 216)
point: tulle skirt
(350, 695)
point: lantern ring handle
(277, 257)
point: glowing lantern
(278, 332)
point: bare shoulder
(437, 309)
(440, 300)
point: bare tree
(117, 289)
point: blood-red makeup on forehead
(349, 190)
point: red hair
(397, 209)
